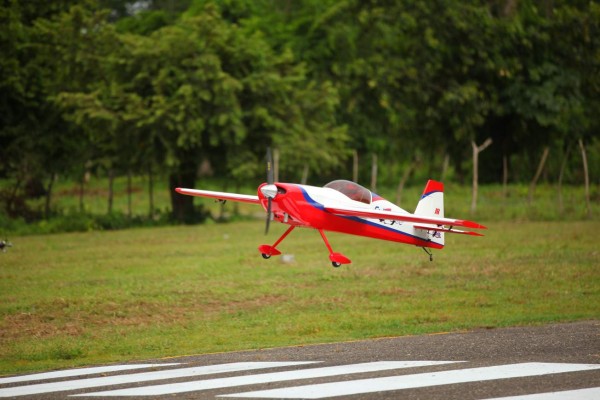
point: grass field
(85, 298)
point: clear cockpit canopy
(352, 190)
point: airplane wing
(368, 213)
(244, 198)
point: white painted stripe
(579, 394)
(78, 372)
(140, 377)
(362, 386)
(266, 378)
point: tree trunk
(374, 173)
(475, 189)
(400, 188)
(276, 165)
(508, 8)
(49, 196)
(476, 151)
(538, 173)
(407, 172)
(183, 206)
(221, 216)
(445, 165)
(82, 191)
(355, 166)
(13, 195)
(560, 179)
(304, 174)
(504, 177)
(150, 191)
(236, 204)
(129, 190)
(586, 175)
(111, 180)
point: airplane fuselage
(305, 206)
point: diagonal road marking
(579, 394)
(266, 378)
(78, 372)
(362, 386)
(140, 377)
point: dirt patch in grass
(17, 326)
(60, 318)
(253, 303)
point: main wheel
(335, 264)
(265, 256)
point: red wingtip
(474, 233)
(471, 224)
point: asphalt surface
(555, 361)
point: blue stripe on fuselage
(321, 207)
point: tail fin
(432, 205)
(432, 200)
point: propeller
(270, 180)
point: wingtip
(182, 190)
(473, 225)
(475, 234)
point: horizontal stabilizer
(244, 198)
(447, 230)
(368, 213)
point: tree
(37, 141)
(206, 87)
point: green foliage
(112, 88)
(82, 222)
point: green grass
(85, 298)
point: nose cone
(269, 191)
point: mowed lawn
(86, 298)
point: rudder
(431, 203)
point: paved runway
(560, 361)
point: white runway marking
(78, 372)
(361, 386)
(579, 394)
(140, 377)
(194, 386)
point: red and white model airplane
(346, 207)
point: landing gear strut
(336, 259)
(267, 251)
(429, 253)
